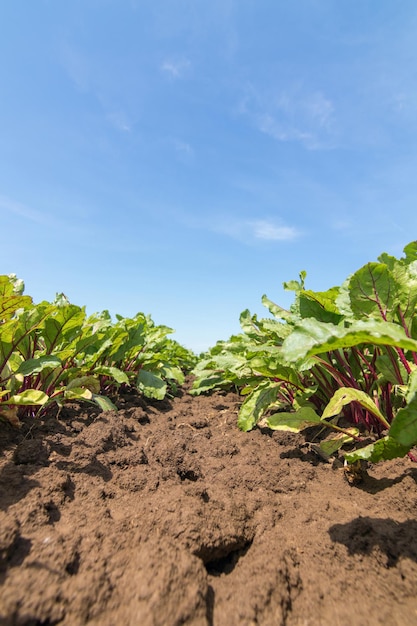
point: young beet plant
(51, 353)
(344, 359)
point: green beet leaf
(271, 367)
(411, 251)
(151, 385)
(256, 404)
(35, 366)
(212, 381)
(63, 324)
(104, 403)
(248, 324)
(29, 397)
(346, 395)
(385, 366)
(88, 382)
(78, 393)
(384, 449)
(312, 337)
(320, 305)
(373, 292)
(294, 422)
(335, 442)
(404, 426)
(113, 372)
(276, 310)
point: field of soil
(165, 514)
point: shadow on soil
(363, 534)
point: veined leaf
(411, 251)
(113, 372)
(273, 330)
(29, 397)
(256, 404)
(88, 382)
(34, 366)
(10, 285)
(404, 426)
(150, 385)
(15, 330)
(385, 366)
(295, 285)
(212, 381)
(248, 324)
(78, 393)
(173, 373)
(271, 367)
(62, 324)
(412, 386)
(294, 422)
(321, 305)
(346, 395)
(11, 303)
(335, 442)
(373, 292)
(276, 310)
(312, 337)
(382, 450)
(104, 403)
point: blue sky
(184, 157)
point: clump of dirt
(165, 514)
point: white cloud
(282, 131)
(245, 230)
(342, 224)
(119, 120)
(176, 69)
(23, 211)
(292, 114)
(184, 150)
(77, 66)
(267, 230)
(183, 147)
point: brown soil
(165, 514)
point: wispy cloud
(51, 220)
(183, 149)
(267, 230)
(176, 68)
(17, 208)
(76, 66)
(292, 114)
(245, 230)
(342, 224)
(120, 121)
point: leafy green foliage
(51, 353)
(349, 352)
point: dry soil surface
(165, 514)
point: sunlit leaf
(151, 385)
(346, 395)
(256, 404)
(34, 366)
(384, 449)
(293, 422)
(29, 397)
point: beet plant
(344, 359)
(51, 353)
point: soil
(165, 514)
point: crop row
(52, 353)
(344, 360)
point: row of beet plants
(344, 359)
(52, 352)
